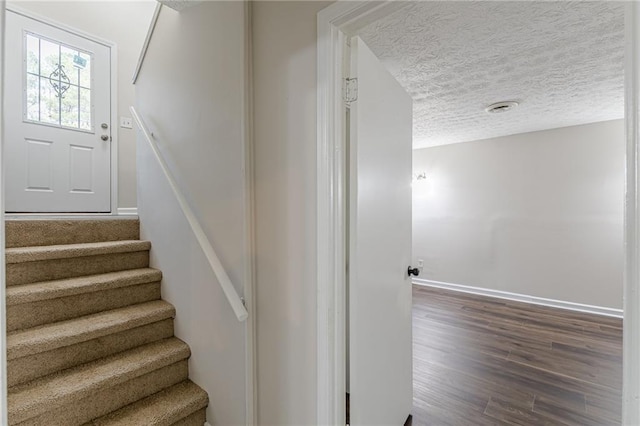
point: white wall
(284, 60)
(538, 214)
(125, 23)
(191, 94)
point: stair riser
(31, 272)
(22, 370)
(108, 399)
(196, 419)
(28, 233)
(47, 311)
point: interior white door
(57, 119)
(380, 297)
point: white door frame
(3, 323)
(631, 329)
(113, 125)
(335, 24)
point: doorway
(59, 147)
(341, 21)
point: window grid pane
(58, 84)
(85, 109)
(33, 97)
(69, 115)
(49, 104)
(33, 55)
(66, 60)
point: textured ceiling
(180, 5)
(563, 61)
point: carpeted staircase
(89, 340)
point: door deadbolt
(104, 125)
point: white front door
(380, 345)
(57, 120)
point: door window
(57, 82)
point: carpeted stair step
(64, 299)
(25, 233)
(196, 419)
(30, 367)
(66, 333)
(43, 263)
(89, 341)
(110, 398)
(65, 251)
(78, 395)
(184, 402)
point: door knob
(104, 137)
(413, 271)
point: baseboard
(597, 310)
(65, 216)
(127, 211)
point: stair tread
(65, 333)
(54, 391)
(43, 232)
(65, 251)
(161, 409)
(46, 290)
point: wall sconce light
(419, 177)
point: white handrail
(147, 39)
(223, 278)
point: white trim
(534, 300)
(65, 216)
(115, 130)
(631, 329)
(331, 367)
(3, 322)
(251, 373)
(127, 211)
(113, 108)
(147, 40)
(207, 249)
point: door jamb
(3, 323)
(113, 52)
(631, 340)
(335, 23)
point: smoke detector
(500, 107)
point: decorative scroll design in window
(57, 84)
(59, 80)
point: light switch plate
(126, 122)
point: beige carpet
(89, 340)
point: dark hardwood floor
(486, 361)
